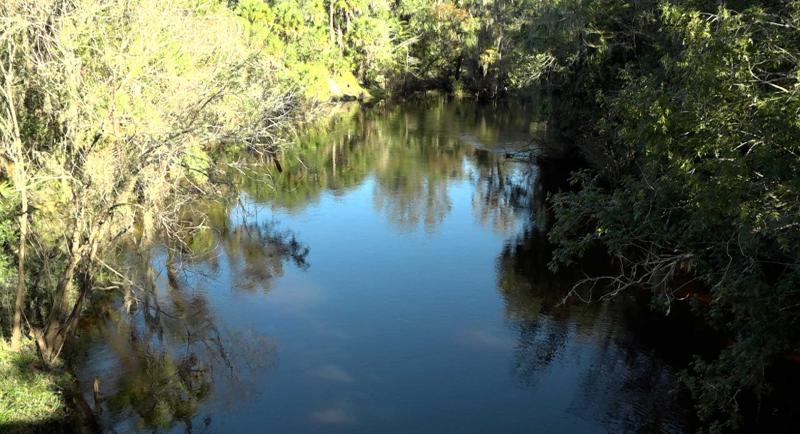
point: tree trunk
(333, 158)
(17, 156)
(51, 340)
(330, 21)
(16, 326)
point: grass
(29, 395)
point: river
(392, 278)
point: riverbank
(31, 398)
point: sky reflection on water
(395, 281)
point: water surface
(391, 279)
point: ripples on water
(393, 278)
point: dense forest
(116, 116)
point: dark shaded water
(392, 279)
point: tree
(120, 131)
(16, 161)
(694, 185)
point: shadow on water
(624, 382)
(628, 380)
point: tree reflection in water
(502, 191)
(162, 351)
(166, 355)
(414, 157)
(411, 154)
(624, 384)
(412, 181)
(258, 251)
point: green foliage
(321, 44)
(125, 112)
(499, 47)
(111, 110)
(695, 185)
(487, 47)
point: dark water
(392, 279)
